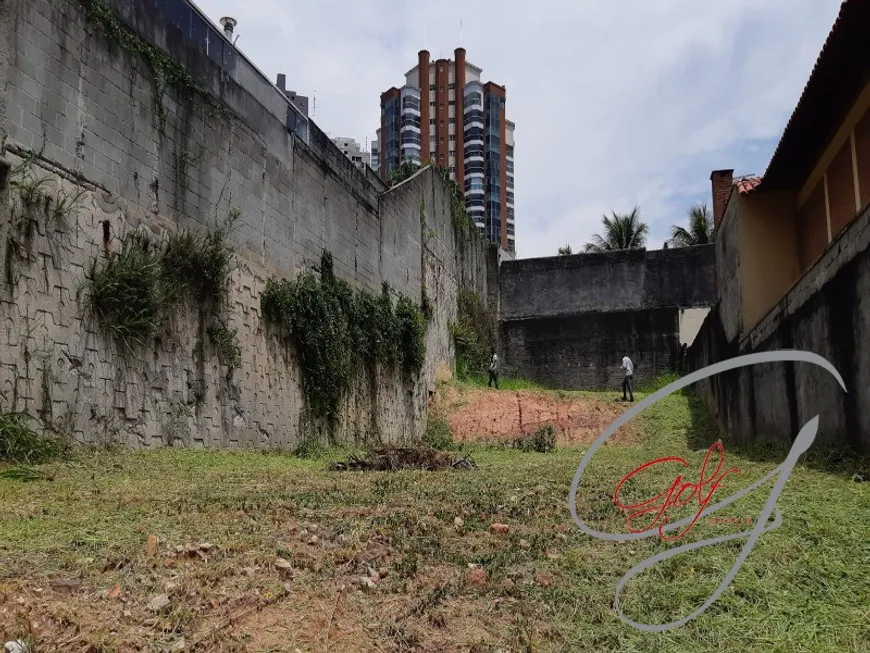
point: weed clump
(21, 445)
(197, 265)
(411, 328)
(38, 208)
(124, 294)
(438, 434)
(32, 192)
(338, 332)
(225, 340)
(541, 441)
(135, 289)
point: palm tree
(624, 231)
(565, 251)
(700, 231)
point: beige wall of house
(783, 234)
(768, 251)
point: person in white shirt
(493, 369)
(628, 367)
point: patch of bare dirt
(506, 415)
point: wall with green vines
(473, 332)
(339, 333)
(192, 342)
(165, 72)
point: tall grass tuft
(21, 445)
(124, 293)
(197, 264)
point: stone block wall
(87, 113)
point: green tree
(565, 251)
(700, 231)
(625, 231)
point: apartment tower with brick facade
(445, 113)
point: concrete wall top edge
(566, 317)
(598, 258)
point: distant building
(354, 152)
(299, 101)
(376, 152)
(443, 112)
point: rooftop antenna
(314, 105)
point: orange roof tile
(746, 184)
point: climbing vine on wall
(473, 333)
(339, 332)
(38, 205)
(164, 71)
(457, 202)
(425, 235)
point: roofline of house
(841, 71)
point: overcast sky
(616, 102)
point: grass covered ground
(281, 547)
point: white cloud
(616, 103)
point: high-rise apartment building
(353, 151)
(445, 113)
(299, 101)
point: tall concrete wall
(610, 281)
(585, 351)
(567, 321)
(89, 109)
(828, 313)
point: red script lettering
(677, 495)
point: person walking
(493, 369)
(628, 367)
